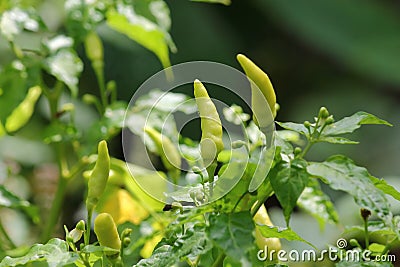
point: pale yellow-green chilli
(106, 232)
(260, 82)
(272, 243)
(211, 128)
(23, 112)
(98, 179)
(94, 47)
(168, 152)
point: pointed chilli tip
(102, 146)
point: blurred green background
(344, 55)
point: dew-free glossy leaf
(10, 200)
(288, 183)
(281, 232)
(232, 233)
(314, 201)
(352, 123)
(142, 30)
(55, 253)
(340, 173)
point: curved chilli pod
(262, 92)
(272, 243)
(168, 152)
(211, 128)
(98, 179)
(23, 112)
(106, 232)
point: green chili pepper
(23, 112)
(211, 128)
(94, 47)
(106, 232)
(272, 243)
(98, 179)
(261, 90)
(167, 150)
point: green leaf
(55, 253)
(340, 173)
(14, 21)
(385, 187)
(190, 245)
(375, 229)
(337, 140)
(352, 123)
(224, 2)
(142, 30)
(235, 115)
(296, 127)
(233, 233)
(281, 232)
(9, 200)
(166, 102)
(364, 264)
(288, 183)
(66, 66)
(314, 201)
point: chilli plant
(204, 205)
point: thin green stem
(86, 235)
(210, 170)
(98, 67)
(238, 201)
(55, 210)
(219, 261)
(261, 201)
(6, 236)
(366, 233)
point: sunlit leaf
(141, 30)
(281, 232)
(10, 200)
(66, 66)
(14, 21)
(340, 173)
(55, 253)
(314, 201)
(232, 233)
(188, 246)
(352, 123)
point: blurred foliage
(341, 54)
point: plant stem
(219, 261)
(210, 170)
(98, 67)
(261, 202)
(366, 233)
(55, 210)
(6, 236)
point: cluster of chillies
(211, 144)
